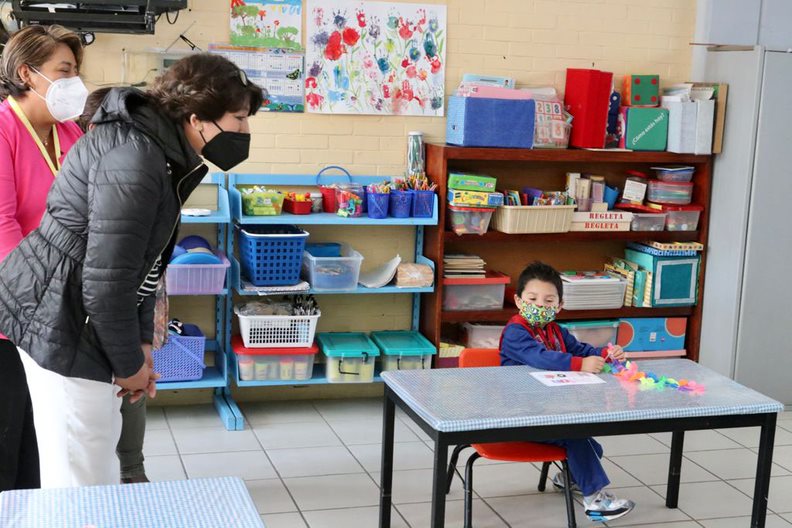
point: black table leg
(674, 469)
(386, 474)
(439, 482)
(764, 465)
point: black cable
(167, 17)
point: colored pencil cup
(377, 204)
(400, 204)
(423, 204)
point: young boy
(533, 338)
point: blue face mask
(537, 315)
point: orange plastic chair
(506, 451)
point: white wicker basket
(514, 219)
(277, 331)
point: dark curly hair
(542, 272)
(206, 85)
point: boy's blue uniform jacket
(548, 348)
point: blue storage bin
(350, 356)
(271, 255)
(404, 350)
(482, 122)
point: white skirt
(78, 423)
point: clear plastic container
(677, 193)
(475, 294)
(594, 333)
(404, 350)
(197, 279)
(274, 364)
(350, 357)
(674, 174)
(482, 336)
(333, 273)
(682, 217)
(648, 222)
(469, 220)
(552, 134)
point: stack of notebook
(593, 291)
(463, 267)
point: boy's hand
(617, 353)
(592, 364)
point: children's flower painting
(267, 23)
(375, 58)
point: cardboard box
(481, 122)
(674, 280)
(641, 90)
(601, 221)
(587, 97)
(720, 96)
(690, 126)
(652, 334)
(646, 128)
(203, 197)
(474, 198)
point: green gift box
(647, 128)
(641, 90)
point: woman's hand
(131, 384)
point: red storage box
(273, 364)
(297, 208)
(587, 98)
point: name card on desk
(552, 378)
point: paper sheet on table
(377, 278)
(566, 379)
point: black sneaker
(560, 483)
(607, 507)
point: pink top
(25, 175)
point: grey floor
(316, 464)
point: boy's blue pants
(583, 457)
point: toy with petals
(628, 371)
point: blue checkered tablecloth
(199, 503)
(471, 399)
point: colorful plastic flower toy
(628, 371)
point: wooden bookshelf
(546, 169)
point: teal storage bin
(350, 356)
(674, 279)
(404, 350)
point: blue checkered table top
(199, 503)
(471, 399)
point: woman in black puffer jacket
(73, 295)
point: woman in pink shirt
(40, 93)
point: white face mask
(65, 97)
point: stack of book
(593, 291)
(463, 267)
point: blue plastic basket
(181, 358)
(271, 255)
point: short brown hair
(205, 85)
(92, 104)
(33, 45)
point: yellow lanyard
(22, 117)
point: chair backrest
(479, 357)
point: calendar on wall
(279, 71)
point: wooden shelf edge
(567, 315)
(578, 236)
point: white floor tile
(164, 468)
(706, 440)
(650, 508)
(483, 517)
(346, 517)
(639, 444)
(782, 455)
(356, 432)
(653, 469)
(415, 428)
(731, 464)
(283, 520)
(504, 480)
(346, 410)
(270, 496)
(679, 524)
(191, 416)
(313, 461)
(159, 442)
(155, 418)
(785, 416)
(247, 465)
(708, 500)
(406, 455)
(205, 440)
(772, 521)
(261, 413)
(415, 485)
(788, 517)
(298, 434)
(543, 510)
(749, 436)
(780, 499)
(618, 477)
(333, 492)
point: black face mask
(226, 149)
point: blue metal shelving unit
(290, 180)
